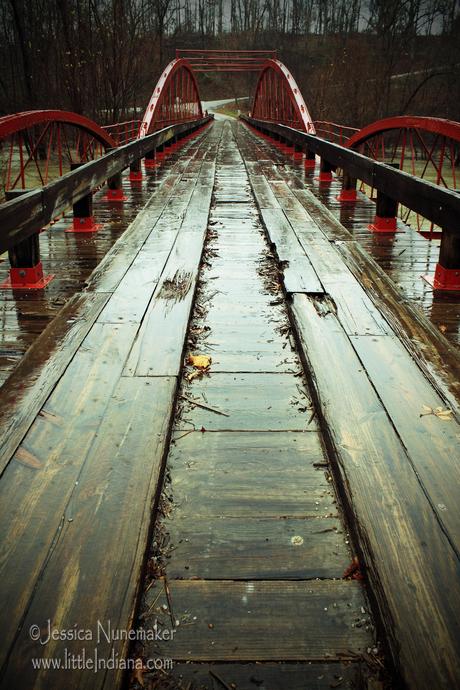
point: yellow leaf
(199, 361)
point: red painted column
(83, 219)
(26, 270)
(447, 273)
(385, 216)
(348, 191)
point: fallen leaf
(442, 413)
(199, 361)
(353, 571)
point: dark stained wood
(52, 455)
(296, 676)
(88, 577)
(440, 359)
(442, 206)
(57, 196)
(159, 345)
(398, 530)
(72, 258)
(258, 402)
(299, 275)
(241, 614)
(297, 235)
(227, 474)
(430, 441)
(256, 549)
(38, 372)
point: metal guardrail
(439, 205)
(24, 216)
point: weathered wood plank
(268, 676)
(299, 274)
(258, 402)
(398, 531)
(432, 444)
(237, 620)
(256, 549)
(203, 485)
(38, 482)
(38, 372)
(88, 577)
(160, 342)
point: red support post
(310, 160)
(447, 272)
(83, 219)
(348, 191)
(115, 189)
(385, 216)
(151, 159)
(135, 171)
(385, 219)
(26, 270)
(325, 171)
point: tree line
(355, 60)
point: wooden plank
(354, 308)
(88, 577)
(258, 402)
(158, 348)
(202, 484)
(57, 196)
(299, 274)
(432, 444)
(268, 676)
(439, 359)
(38, 482)
(35, 376)
(398, 531)
(236, 620)
(256, 549)
(129, 301)
(442, 206)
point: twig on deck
(205, 407)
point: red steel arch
(17, 122)
(39, 145)
(435, 125)
(427, 147)
(278, 99)
(175, 98)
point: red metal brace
(27, 278)
(444, 278)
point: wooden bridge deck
(306, 443)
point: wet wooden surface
(299, 447)
(394, 439)
(250, 536)
(84, 475)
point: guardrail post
(447, 272)
(135, 170)
(83, 219)
(310, 159)
(115, 188)
(26, 270)
(151, 159)
(298, 153)
(386, 211)
(348, 191)
(325, 171)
